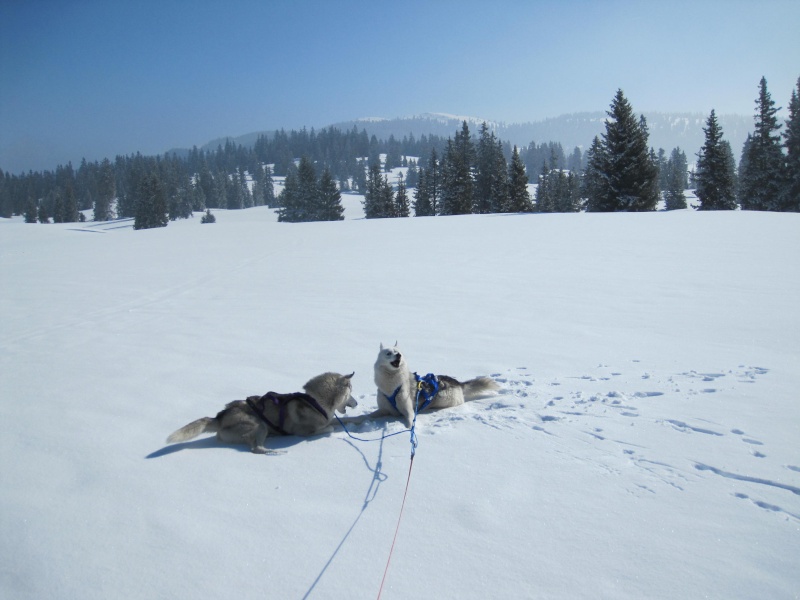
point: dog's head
(332, 390)
(389, 358)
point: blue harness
(427, 387)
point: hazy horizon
(93, 80)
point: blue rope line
(429, 379)
(383, 436)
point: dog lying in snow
(397, 388)
(250, 421)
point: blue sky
(96, 79)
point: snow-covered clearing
(645, 444)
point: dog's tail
(193, 429)
(480, 386)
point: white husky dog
(397, 388)
(251, 421)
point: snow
(644, 444)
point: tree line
(459, 175)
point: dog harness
(281, 401)
(427, 387)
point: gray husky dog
(397, 388)
(250, 421)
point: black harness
(281, 401)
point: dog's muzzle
(396, 362)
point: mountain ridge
(667, 130)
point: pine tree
(762, 181)
(675, 181)
(269, 188)
(42, 215)
(422, 198)
(627, 176)
(433, 182)
(330, 202)
(58, 206)
(106, 191)
(715, 182)
(151, 207)
(31, 210)
(289, 199)
(401, 198)
(308, 191)
(412, 175)
(593, 187)
(70, 205)
(792, 144)
(387, 204)
(372, 193)
(519, 199)
(457, 182)
(544, 196)
(485, 169)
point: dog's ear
(350, 376)
(395, 343)
(381, 345)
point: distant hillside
(667, 130)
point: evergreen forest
(469, 172)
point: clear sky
(95, 79)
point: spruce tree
(151, 207)
(544, 195)
(593, 187)
(519, 199)
(106, 191)
(42, 215)
(762, 181)
(485, 170)
(289, 199)
(308, 190)
(628, 176)
(330, 200)
(269, 188)
(433, 181)
(58, 207)
(379, 197)
(457, 183)
(372, 199)
(401, 198)
(792, 144)
(675, 181)
(70, 205)
(31, 211)
(422, 197)
(715, 182)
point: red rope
(402, 506)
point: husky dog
(397, 387)
(250, 421)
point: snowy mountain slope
(644, 445)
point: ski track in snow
(620, 431)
